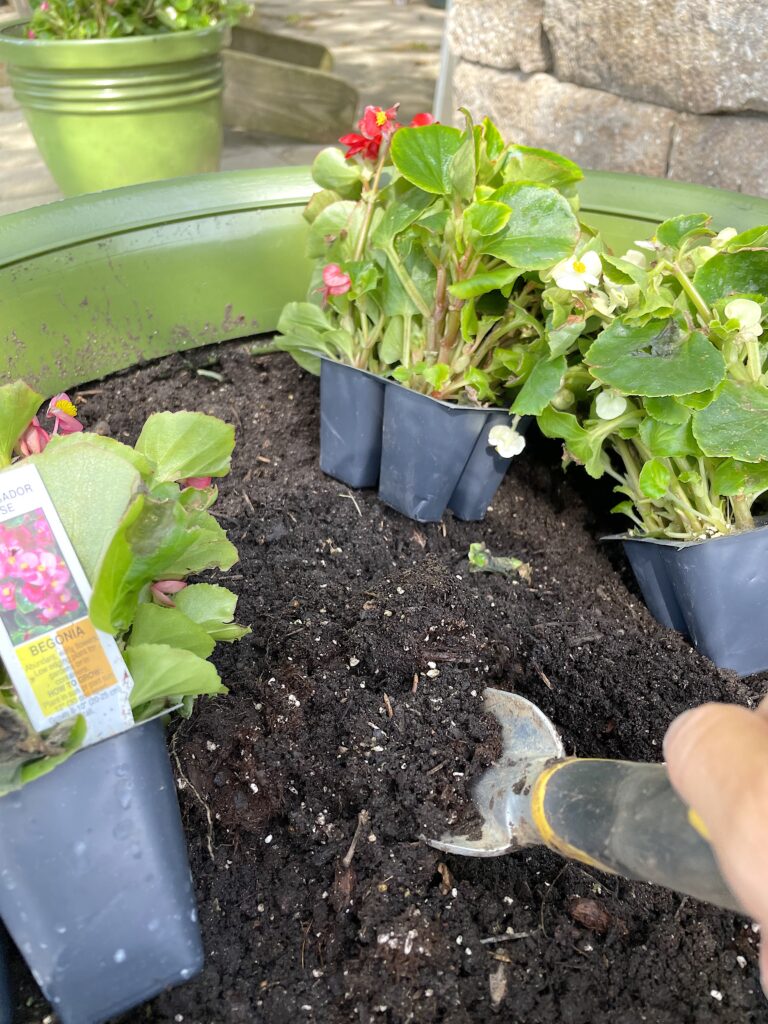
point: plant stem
(371, 200)
(741, 512)
(688, 287)
(408, 285)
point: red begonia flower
(374, 126)
(421, 120)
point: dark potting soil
(360, 690)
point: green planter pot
(96, 283)
(111, 112)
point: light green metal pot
(111, 112)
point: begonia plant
(109, 19)
(664, 384)
(139, 520)
(429, 244)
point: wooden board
(247, 37)
(276, 98)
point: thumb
(717, 758)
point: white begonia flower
(636, 257)
(645, 244)
(579, 272)
(723, 237)
(506, 441)
(748, 314)
(610, 404)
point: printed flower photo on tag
(37, 592)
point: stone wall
(675, 88)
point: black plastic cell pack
(714, 591)
(6, 999)
(426, 455)
(95, 887)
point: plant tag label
(59, 663)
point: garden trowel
(617, 816)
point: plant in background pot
(96, 890)
(121, 91)
(665, 390)
(425, 307)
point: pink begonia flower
(34, 439)
(163, 589)
(45, 6)
(64, 411)
(31, 34)
(335, 281)
(198, 482)
(8, 597)
(37, 567)
(420, 120)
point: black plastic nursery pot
(713, 591)
(426, 455)
(6, 999)
(351, 414)
(435, 455)
(95, 886)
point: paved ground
(388, 49)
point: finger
(763, 706)
(717, 757)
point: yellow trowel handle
(625, 818)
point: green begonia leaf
(425, 156)
(486, 218)
(731, 478)
(332, 170)
(667, 410)
(463, 167)
(673, 231)
(561, 339)
(485, 281)
(541, 231)
(584, 445)
(18, 404)
(756, 237)
(185, 444)
(735, 423)
(540, 388)
(155, 625)
(391, 345)
(83, 475)
(655, 359)
(328, 226)
(655, 479)
(469, 322)
(318, 202)
(213, 608)
(401, 215)
(744, 272)
(525, 163)
(668, 440)
(161, 672)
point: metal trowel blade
(503, 794)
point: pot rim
(664, 542)
(123, 51)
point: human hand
(717, 758)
